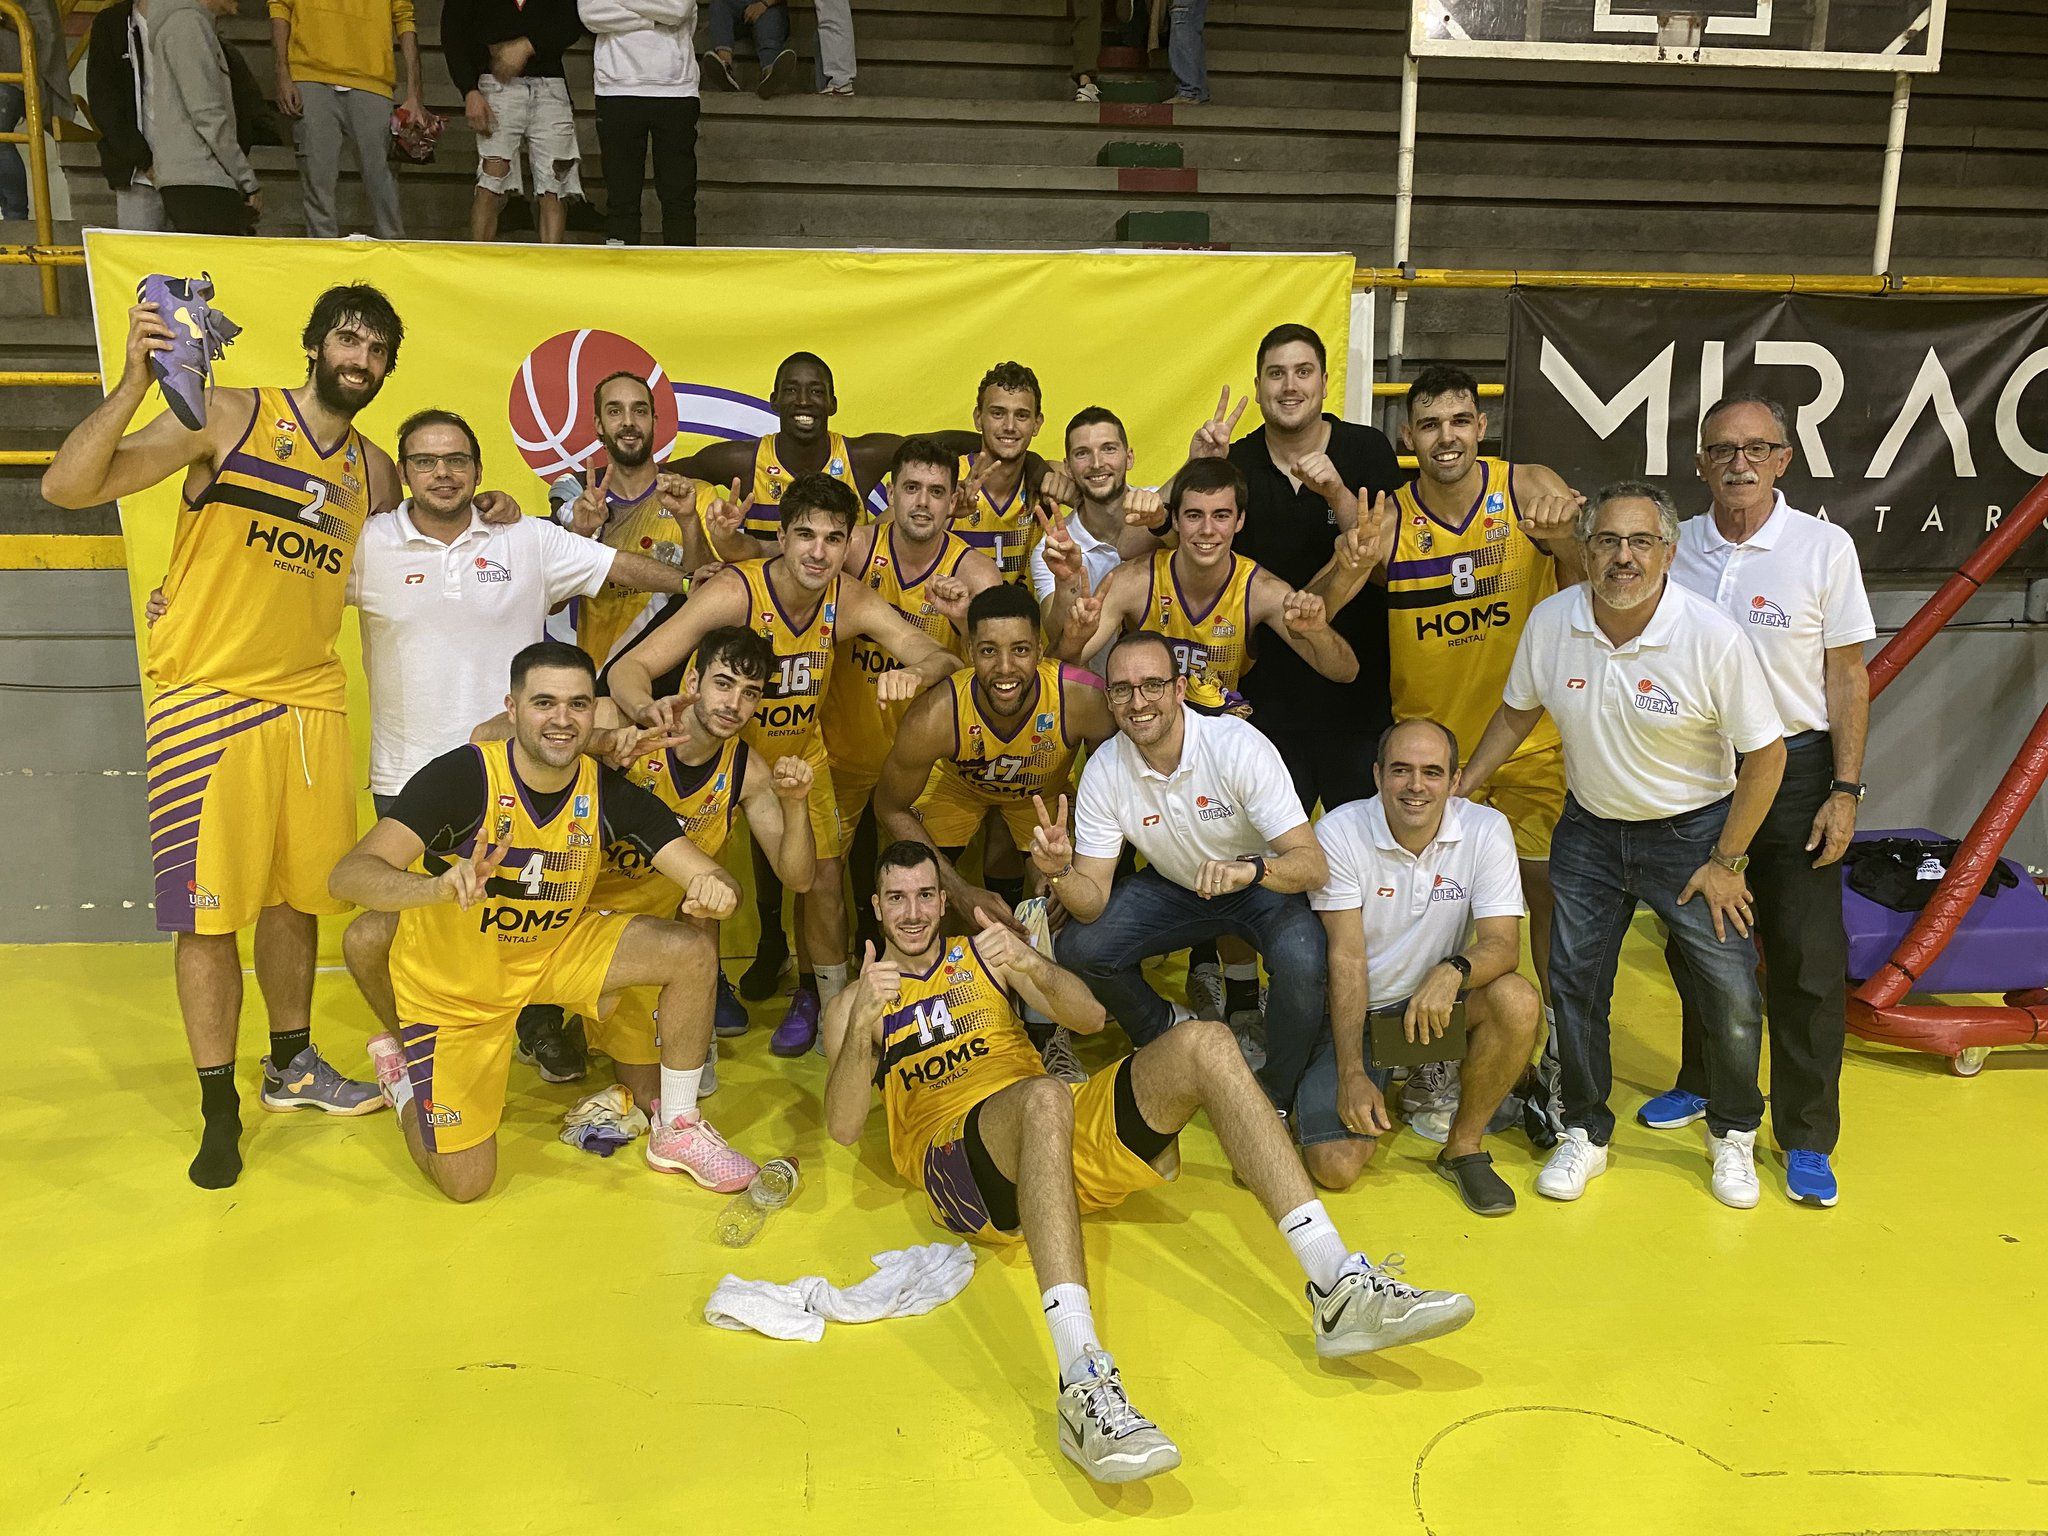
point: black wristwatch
(1845, 787)
(1463, 967)
(1258, 864)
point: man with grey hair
(1655, 693)
(1793, 584)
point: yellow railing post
(38, 152)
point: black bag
(1903, 872)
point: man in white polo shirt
(1794, 585)
(1654, 691)
(1423, 908)
(1209, 803)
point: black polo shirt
(1291, 531)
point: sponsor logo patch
(491, 571)
(202, 899)
(1767, 613)
(1654, 700)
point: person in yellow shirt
(335, 81)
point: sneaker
(707, 1085)
(387, 1060)
(1734, 1158)
(307, 1082)
(1249, 1026)
(552, 1045)
(1669, 1110)
(1543, 1103)
(1102, 1434)
(1574, 1165)
(799, 1027)
(688, 1144)
(729, 1015)
(837, 88)
(1183, 99)
(1205, 990)
(763, 979)
(1087, 90)
(1810, 1178)
(1060, 1060)
(1369, 1308)
(717, 72)
(778, 77)
(199, 335)
(1431, 1089)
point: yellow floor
(329, 1348)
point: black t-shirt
(671, 681)
(1291, 531)
(446, 801)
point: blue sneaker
(730, 1015)
(200, 333)
(1668, 1111)
(1809, 1179)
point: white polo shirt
(441, 623)
(1098, 559)
(1650, 728)
(1417, 907)
(1796, 588)
(1229, 798)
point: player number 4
(532, 875)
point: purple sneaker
(200, 334)
(730, 1017)
(799, 1026)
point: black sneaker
(780, 75)
(763, 979)
(717, 72)
(551, 1045)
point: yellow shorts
(952, 811)
(1529, 791)
(459, 1066)
(251, 804)
(852, 788)
(826, 830)
(1106, 1172)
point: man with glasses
(1793, 584)
(1655, 692)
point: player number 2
(1463, 582)
(310, 513)
(532, 875)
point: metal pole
(38, 161)
(1888, 191)
(1404, 210)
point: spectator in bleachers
(646, 96)
(768, 22)
(505, 56)
(111, 92)
(1186, 52)
(188, 114)
(836, 67)
(1087, 48)
(53, 82)
(335, 77)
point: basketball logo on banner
(550, 406)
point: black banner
(1917, 422)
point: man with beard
(800, 604)
(1112, 519)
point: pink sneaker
(387, 1057)
(688, 1144)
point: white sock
(401, 1093)
(831, 982)
(1313, 1237)
(679, 1092)
(1068, 1315)
(1241, 970)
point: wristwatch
(1846, 787)
(1735, 863)
(1258, 865)
(1463, 967)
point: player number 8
(1463, 582)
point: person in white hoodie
(646, 75)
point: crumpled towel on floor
(907, 1282)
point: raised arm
(1299, 618)
(1360, 556)
(708, 891)
(721, 600)
(1549, 509)
(1081, 882)
(852, 1032)
(1091, 620)
(778, 814)
(1053, 990)
(98, 463)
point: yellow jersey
(1000, 530)
(1458, 595)
(705, 797)
(788, 720)
(1211, 649)
(1037, 758)
(859, 727)
(449, 965)
(615, 617)
(764, 521)
(259, 565)
(952, 1040)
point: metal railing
(31, 134)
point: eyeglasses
(427, 463)
(1638, 543)
(1756, 453)
(1153, 689)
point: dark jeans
(1330, 761)
(1599, 870)
(207, 211)
(1806, 955)
(626, 126)
(1149, 915)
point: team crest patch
(582, 805)
(440, 1114)
(1654, 700)
(836, 468)
(491, 571)
(957, 953)
(202, 899)
(503, 831)
(282, 447)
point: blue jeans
(771, 30)
(1599, 870)
(13, 174)
(1149, 915)
(1185, 50)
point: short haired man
(1207, 802)
(1656, 693)
(645, 72)
(1002, 1151)
(335, 78)
(1793, 583)
(993, 505)
(518, 831)
(1422, 909)
(505, 57)
(198, 164)
(1112, 519)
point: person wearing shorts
(505, 57)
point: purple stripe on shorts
(176, 910)
(236, 729)
(167, 704)
(421, 1071)
(183, 814)
(160, 734)
(949, 1185)
(176, 791)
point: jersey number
(934, 1022)
(1463, 582)
(310, 513)
(1003, 770)
(795, 676)
(532, 875)
(1190, 657)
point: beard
(627, 458)
(1645, 589)
(337, 396)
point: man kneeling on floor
(1423, 910)
(1002, 1149)
(489, 856)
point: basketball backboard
(1894, 36)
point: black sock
(1203, 953)
(1240, 995)
(219, 1162)
(285, 1046)
(807, 981)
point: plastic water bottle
(748, 1211)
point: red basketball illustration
(550, 408)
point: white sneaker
(1574, 1165)
(1205, 991)
(1369, 1307)
(1102, 1434)
(1432, 1088)
(1089, 92)
(1060, 1060)
(1734, 1158)
(1249, 1026)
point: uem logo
(490, 570)
(1654, 700)
(1767, 613)
(1446, 889)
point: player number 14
(934, 1021)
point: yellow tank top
(259, 565)
(1035, 759)
(858, 727)
(1002, 531)
(452, 966)
(704, 796)
(952, 1040)
(1457, 598)
(1210, 648)
(771, 480)
(788, 721)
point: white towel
(907, 1282)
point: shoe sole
(669, 1165)
(791, 1052)
(733, 1031)
(777, 81)
(1670, 1125)
(1822, 1201)
(369, 1106)
(1165, 1461)
(1449, 1321)
(1451, 1179)
(1738, 1205)
(1575, 1194)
